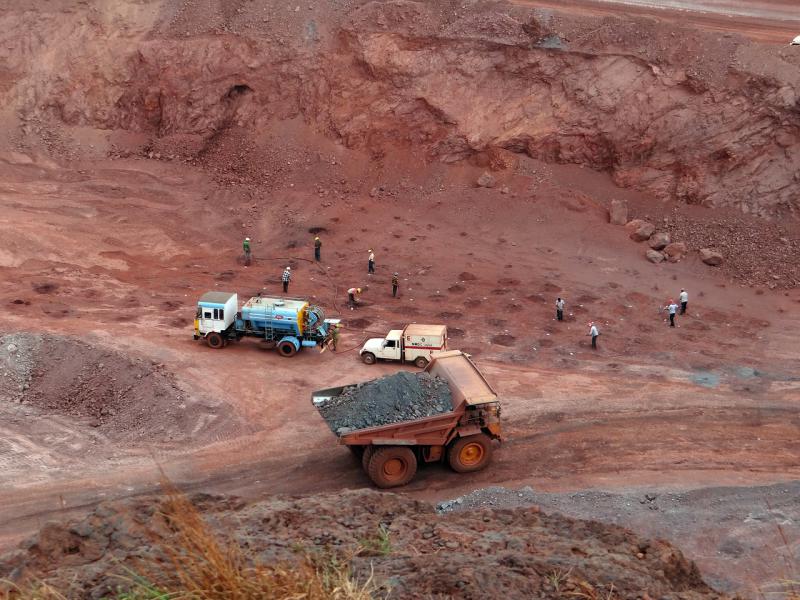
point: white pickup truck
(414, 344)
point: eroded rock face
(388, 73)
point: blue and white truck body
(290, 324)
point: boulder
(618, 213)
(640, 231)
(486, 180)
(654, 256)
(675, 251)
(710, 257)
(659, 240)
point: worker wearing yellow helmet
(352, 295)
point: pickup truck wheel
(368, 358)
(471, 453)
(392, 466)
(215, 340)
(287, 349)
(420, 362)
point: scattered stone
(675, 251)
(659, 240)
(486, 180)
(640, 231)
(710, 257)
(618, 213)
(654, 256)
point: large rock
(675, 251)
(640, 231)
(486, 180)
(659, 240)
(710, 257)
(618, 213)
(654, 256)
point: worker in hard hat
(371, 263)
(246, 248)
(317, 249)
(684, 298)
(595, 333)
(286, 278)
(672, 308)
(560, 308)
(395, 284)
(352, 297)
(335, 336)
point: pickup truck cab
(414, 343)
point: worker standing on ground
(335, 336)
(684, 298)
(352, 295)
(317, 249)
(395, 284)
(371, 262)
(559, 309)
(595, 334)
(672, 308)
(246, 248)
(286, 278)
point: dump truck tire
(287, 349)
(215, 340)
(368, 358)
(392, 466)
(471, 453)
(358, 451)
(368, 450)
(421, 362)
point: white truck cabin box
(216, 311)
(419, 340)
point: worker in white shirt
(559, 309)
(684, 298)
(595, 334)
(672, 308)
(371, 263)
(352, 297)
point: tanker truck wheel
(287, 349)
(471, 453)
(392, 466)
(215, 340)
(368, 358)
(420, 362)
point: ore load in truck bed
(392, 399)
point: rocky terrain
(401, 543)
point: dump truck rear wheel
(368, 450)
(215, 340)
(368, 358)
(471, 453)
(421, 362)
(392, 466)
(358, 451)
(287, 349)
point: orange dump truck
(462, 436)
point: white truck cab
(216, 312)
(414, 343)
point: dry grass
(203, 567)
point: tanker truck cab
(414, 344)
(215, 316)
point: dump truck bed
(467, 388)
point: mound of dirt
(126, 397)
(392, 399)
(519, 553)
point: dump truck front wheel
(215, 340)
(368, 358)
(421, 362)
(471, 453)
(368, 450)
(287, 349)
(392, 466)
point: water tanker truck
(453, 417)
(288, 324)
